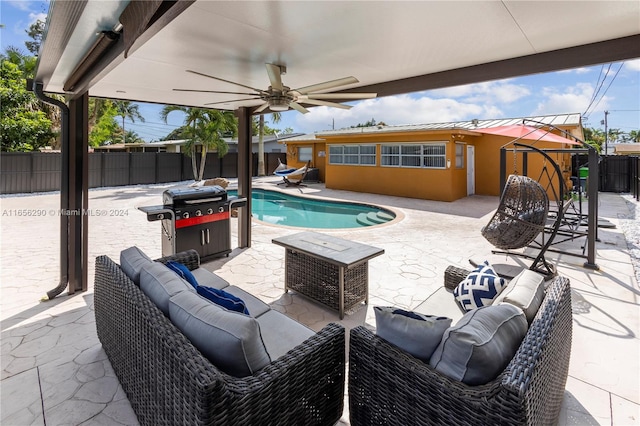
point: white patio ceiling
(317, 41)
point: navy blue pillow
(224, 299)
(183, 272)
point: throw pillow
(231, 341)
(479, 288)
(183, 272)
(223, 298)
(481, 345)
(132, 260)
(415, 333)
(526, 291)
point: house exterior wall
(441, 184)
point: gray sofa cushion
(281, 334)
(526, 291)
(230, 340)
(416, 334)
(255, 306)
(159, 283)
(481, 344)
(441, 303)
(132, 260)
(209, 279)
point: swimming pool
(285, 209)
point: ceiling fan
(279, 97)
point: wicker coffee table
(329, 270)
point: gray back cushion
(159, 283)
(415, 333)
(230, 340)
(132, 260)
(526, 291)
(479, 347)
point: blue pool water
(285, 209)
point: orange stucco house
(443, 161)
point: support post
(79, 192)
(592, 230)
(244, 175)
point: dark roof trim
(589, 54)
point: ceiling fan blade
(327, 96)
(226, 81)
(327, 85)
(325, 103)
(234, 100)
(298, 107)
(275, 78)
(214, 91)
(262, 107)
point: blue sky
(612, 87)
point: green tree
(261, 132)
(126, 109)
(22, 126)
(26, 64)
(106, 130)
(634, 136)
(35, 32)
(206, 128)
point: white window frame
(352, 155)
(460, 155)
(413, 155)
(304, 157)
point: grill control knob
(220, 209)
(209, 211)
(185, 215)
(160, 216)
(198, 213)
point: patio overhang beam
(614, 50)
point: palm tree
(129, 110)
(276, 119)
(205, 127)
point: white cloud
(401, 109)
(571, 99)
(633, 65)
(491, 92)
(33, 17)
(581, 70)
(20, 4)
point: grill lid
(193, 195)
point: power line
(597, 90)
(593, 95)
(610, 83)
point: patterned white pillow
(479, 288)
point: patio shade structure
(140, 51)
(526, 132)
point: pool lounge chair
(298, 175)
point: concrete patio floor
(55, 372)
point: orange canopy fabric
(522, 131)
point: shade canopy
(523, 131)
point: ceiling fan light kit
(279, 98)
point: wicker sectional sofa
(170, 382)
(388, 386)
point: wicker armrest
(453, 275)
(190, 258)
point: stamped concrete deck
(55, 372)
